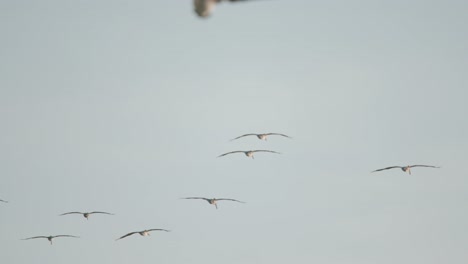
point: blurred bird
(262, 136)
(49, 237)
(3, 201)
(203, 8)
(213, 200)
(406, 168)
(142, 233)
(86, 215)
(248, 153)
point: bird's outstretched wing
(277, 134)
(65, 236)
(262, 150)
(202, 198)
(228, 199)
(98, 212)
(392, 167)
(124, 236)
(158, 229)
(245, 135)
(3, 201)
(427, 166)
(72, 213)
(34, 237)
(237, 151)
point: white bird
(86, 215)
(406, 168)
(3, 201)
(203, 8)
(213, 200)
(142, 233)
(262, 136)
(50, 237)
(248, 153)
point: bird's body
(248, 153)
(214, 201)
(262, 136)
(50, 237)
(406, 168)
(142, 233)
(87, 214)
(203, 8)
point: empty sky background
(123, 106)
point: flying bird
(87, 214)
(248, 153)
(262, 136)
(142, 233)
(50, 237)
(3, 201)
(213, 200)
(406, 168)
(203, 8)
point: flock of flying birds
(212, 201)
(203, 8)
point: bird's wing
(72, 213)
(3, 201)
(129, 234)
(98, 212)
(262, 150)
(35, 237)
(277, 134)
(227, 199)
(237, 151)
(203, 198)
(158, 229)
(66, 236)
(245, 135)
(392, 167)
(428, 166)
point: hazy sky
(123, 106)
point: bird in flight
(87, 214)
(406, 168)
(213, 201)
(203, 8)
(50, 237)
(248, 153)
(261, 136)
(3, 201)
(142, 233)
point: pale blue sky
(123, 106)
